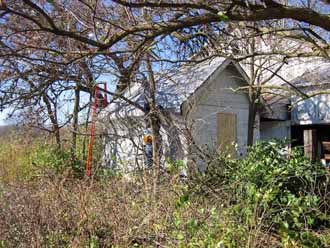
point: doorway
(311, 137)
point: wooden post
(310, 144)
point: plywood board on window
(226, 132)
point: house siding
(275, 130)
(219, 96)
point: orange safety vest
(147, 139)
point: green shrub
(45, 155)
(271, 191)
(285, 186)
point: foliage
(276, 191)
(24, 157)
(264, 200)
(285, 187)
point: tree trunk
(53, 119)
(251, 122)
(155, 127)
(84, 146)
(75, 123)
(252, 96)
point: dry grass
(57, 211)
(41, 207)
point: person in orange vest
(148, 137)
(147, 140)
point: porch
(314, 138)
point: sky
(103, 78)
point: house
(207, 113)
(305, 117)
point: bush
(23, 157)
(263, 200)
(50, 156)
(273, 192)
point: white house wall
(124, 148)
(122, 144)
(218, 96)
(275, 129)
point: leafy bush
(47, 155)
(274, 191)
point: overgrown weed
(265, 200)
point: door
(226, 132)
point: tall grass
(16, 152)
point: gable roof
(176, 87)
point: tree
(115, 35)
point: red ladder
(96, 104)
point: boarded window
(226, 132)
